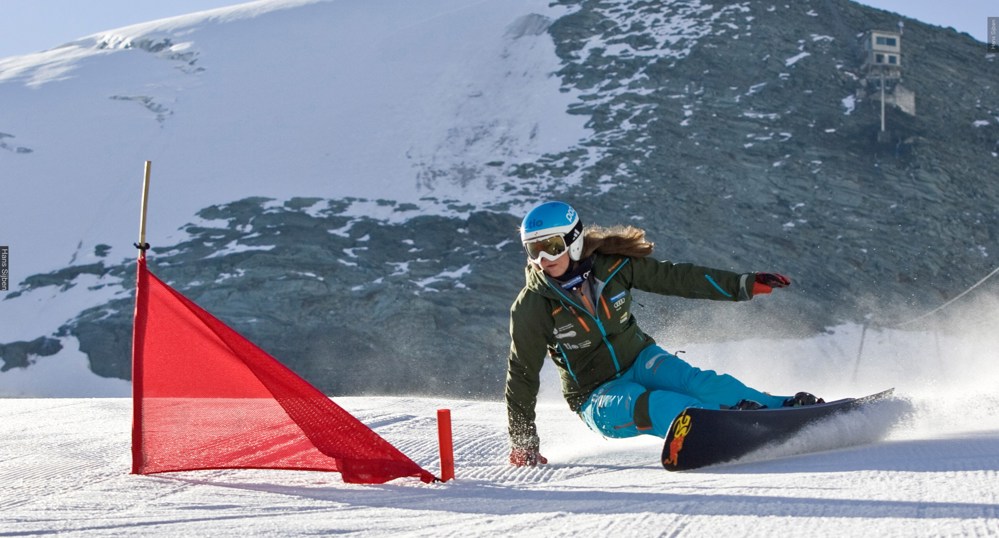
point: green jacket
(593, 343)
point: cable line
(948, 303)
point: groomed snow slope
(65, 463)
(924, 464)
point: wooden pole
(142, 215)
(139, 332)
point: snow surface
(923, 464)
(65, 469)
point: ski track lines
(64, 469)
(55, 457)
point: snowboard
(701, 437)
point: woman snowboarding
(576, 308)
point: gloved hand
(526, 456)
(766, 282)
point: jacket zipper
(596, 319)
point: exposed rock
(18, 354)
(738, 135)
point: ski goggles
(550, 247)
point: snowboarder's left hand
(766, 282)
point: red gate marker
(446, 444)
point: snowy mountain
(372, 110)
(273, 99)
(341, 181)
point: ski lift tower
(882, 61)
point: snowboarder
(576, 307)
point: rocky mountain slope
(740, 135)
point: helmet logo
(535, 223)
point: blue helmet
(550, 229)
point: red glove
(766, 282)
(526, 456)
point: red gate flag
(204, 397)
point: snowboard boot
(748, 405)
(802, 398)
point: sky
(28, 26)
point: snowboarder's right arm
(521, 398)
(530, 325)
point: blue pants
(672, 386)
